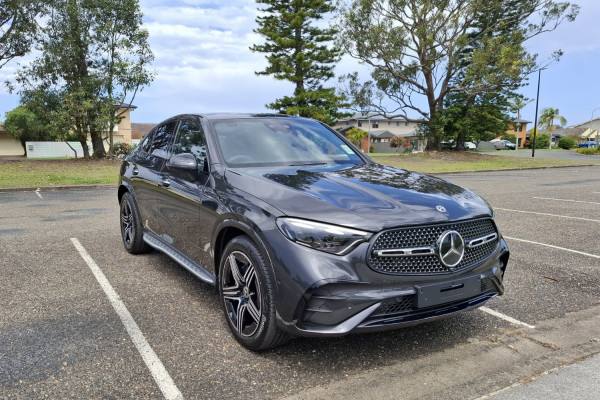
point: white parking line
(157, 369)
(505, 317)
(549, 215)
(554, 247)
(571, 201)
(39, 194)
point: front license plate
(439, 293)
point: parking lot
(82, 318)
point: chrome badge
(451, 248)
(440, 208)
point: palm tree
(548, 116)
(547, 120)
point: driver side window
(190, 139)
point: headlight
(330, 238)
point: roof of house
(520, 121)
(369, 116)
(138, 131)
(586, 122)
(382, 134)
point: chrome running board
(181, 259)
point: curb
(470, 171)
(63, 187)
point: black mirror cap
(184, 161)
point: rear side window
(161, 140)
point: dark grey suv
(302, 233)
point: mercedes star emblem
(451, 248)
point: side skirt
(180, 258)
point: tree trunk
(98, 145)
(86, 150)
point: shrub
(589, 151)
(542, 141)
(122, 148)
(566, 143)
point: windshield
(280, 141)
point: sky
(203, 63)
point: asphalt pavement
(62, 335)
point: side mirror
(184, 161)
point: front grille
(424, 236)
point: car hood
(368, 197)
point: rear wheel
(246, 290)
(131, 226)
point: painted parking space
(54, 295)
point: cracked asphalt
(61, 338)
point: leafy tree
(422, 51)
(17, 27)
(548, 116)
(355, 135)
(124, 57)
(296, 50)
(23, 125)
(94, 55)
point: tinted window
(147, 142)
(281, 141)
(190, 139)
(162, 138)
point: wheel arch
(228, 230)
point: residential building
(381, 129)
(518, 127)
(9, 146)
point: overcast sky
(203, 63)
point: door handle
(164, 182)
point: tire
(246, 292)
(131, 226)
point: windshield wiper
(308, 163)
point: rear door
(146, 170)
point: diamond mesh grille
(427, 236)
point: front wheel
(246, 291)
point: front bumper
(347, 296)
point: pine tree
(297, 51)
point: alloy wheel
(241, 293)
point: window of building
(375, 125)
(359, 124)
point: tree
(124, 58)
(94, 55)
(23, 125)
(355, 135)
(422, 51)
(548, 116)
(17, 27)
(296, 50)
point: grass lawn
(37, 173)
(449, 161)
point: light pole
(537, 100)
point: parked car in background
(301, 233)
(502, 144)
(587, 143)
